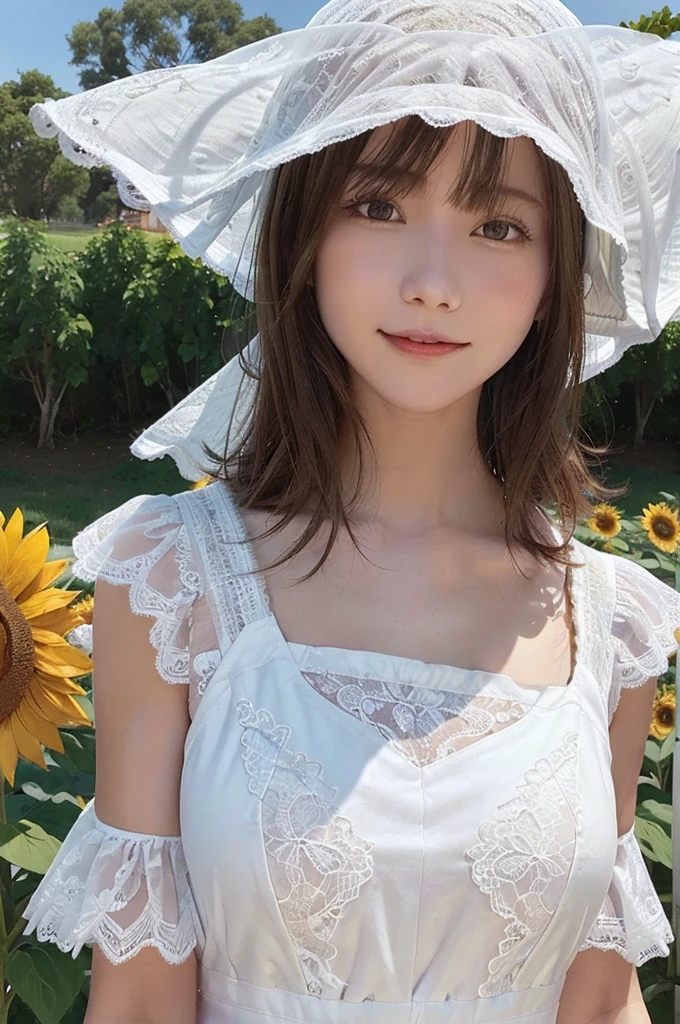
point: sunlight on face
(417, 263)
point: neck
(426, 473)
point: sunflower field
(47, 751)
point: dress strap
(594, 597)
(235, 588)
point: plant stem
(4, 1009)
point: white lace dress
(364, 837)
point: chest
(436, 601)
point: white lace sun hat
(199, 145)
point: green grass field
(75, 241)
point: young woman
(398, 783)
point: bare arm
(141, 723)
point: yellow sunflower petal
(40, 723)
(50, 572)
(57, 684)
(45, 732)
(9, 754)
(27, 561)
(57, 656)
(27, 745)
(46, 601)
(60, 621)
(62, 708)
(14, 531)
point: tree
(44, 337)
(149, 34)
(34, 176)
(661, 23)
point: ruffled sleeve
(646, 614)
(121, 890)
(145, 545)
(632, 920)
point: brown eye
(499, 228)
(377, 209)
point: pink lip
(423, 336)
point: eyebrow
(403, 178)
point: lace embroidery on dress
(646, 615)
(523, 859)
(632, 920)
(236, 595)
(317, 863)
(122, 890)
(423, 725)
(146, 545)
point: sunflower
(662, 526)
(85, 608)
(37, 665)
(605, 520)
(663, 716)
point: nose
(432, 280)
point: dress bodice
(366, 837)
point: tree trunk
(49, 408)
(645, 399)
(130, 383)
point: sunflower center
(663, 528)
(666, 715)
(18, 661)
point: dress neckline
(308, 654)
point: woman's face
(391, 266)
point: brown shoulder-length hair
(528, 421)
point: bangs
(401, 163)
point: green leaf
(10, 830)
(46, 980)
(619, 545)
(80, 749)
(649, 562)
(56, 817)
(149, 373)
(654, 842)
(661, 814)
(667, 746)
(33, 849)
(652, 750)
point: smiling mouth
(425, 339)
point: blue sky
(33, 31)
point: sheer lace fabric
(424, 725)
(647, 613)
(145, 545)
(122, 890)
(632, 920)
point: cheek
(345, 273)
